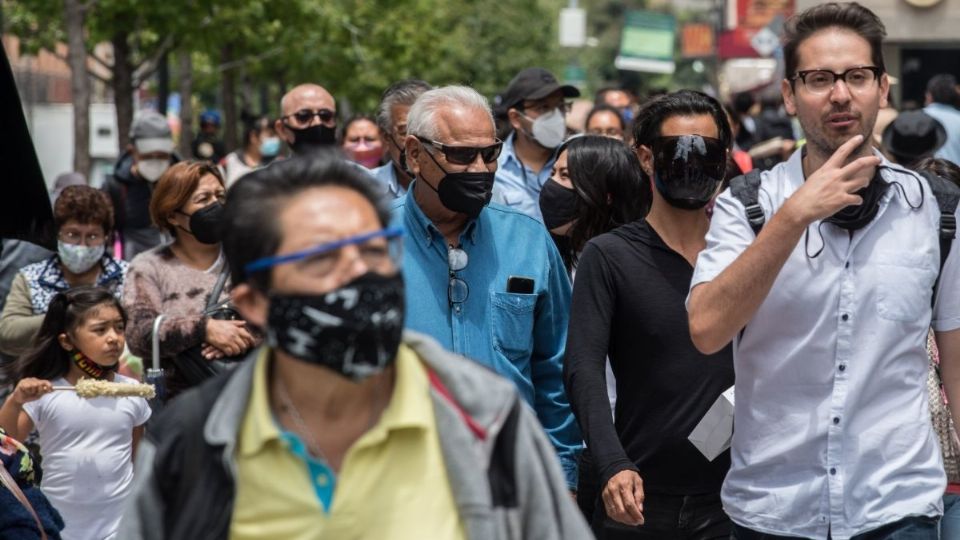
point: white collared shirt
(833, 430)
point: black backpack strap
(746, 189)
(948, 196)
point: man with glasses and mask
(484, 280)
(343, 425)
(308, 119)
(392, 119)
(536, 108)
(826, 280)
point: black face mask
(856, 217)
(558, 204)
(464, 192)
(401, 163)
(354, 330)
(205, 223)
(310, 138)
(688, 169)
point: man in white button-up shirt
(829, 306)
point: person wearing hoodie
(149, 155)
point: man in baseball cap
(149, 155)
(536, 107)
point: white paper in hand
(715, 431)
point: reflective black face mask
(688, 169)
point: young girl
(87, 444)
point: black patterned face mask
(354, 330)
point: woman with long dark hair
(595, 187)
(628, 306)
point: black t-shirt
(628, 303)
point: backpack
(746, 189)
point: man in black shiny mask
(308, 118)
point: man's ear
(251, 303)
(884, 90)
(413, 148)
(789, 98)
(645, 155)
(65, 342)
(515, 119)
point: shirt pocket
(512, 323)
(904, 286)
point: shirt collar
(508, 156)
(887, 170)
(419, 225)
(409, 406)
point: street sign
(765, 42)
(573, 27)
(647, 43)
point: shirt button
(833, 471)
(844, 317)
(836, 420)
(843, 367)
(846, 264)
(322, 480)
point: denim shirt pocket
(511, 326)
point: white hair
(422, 117)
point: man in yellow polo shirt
(343, 426)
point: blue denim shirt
(386, 176)
(950, 118)
(520, 336)
(517, 186)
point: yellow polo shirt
(393, 483)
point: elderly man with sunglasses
(485, 280)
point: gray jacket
(503, 472)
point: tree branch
(103, 63)
(99, 77)
(148, 66)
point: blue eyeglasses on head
(274, 260)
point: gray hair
(403, 92)
(422, 118)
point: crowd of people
(451, 320)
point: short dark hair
(848, 15)
(743, 102)
(342, 136)
(943, 89)
(610, 189)
(85, 205)
(255, 125)
(253, 204)
(683, 103)
(604, 108)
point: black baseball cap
(534, 83)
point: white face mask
(152, 169)
(550, 129)
(79, 258)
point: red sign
(758, 13)
(696, 39)
(736, 44)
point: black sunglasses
(304, 116)
(465, 155)
(457, 288)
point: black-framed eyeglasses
(465, 155)
(305, 116)
(820, 81)
(457, 288)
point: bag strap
(746, 189)
(218, 288)
(948, 196)
(11, 484)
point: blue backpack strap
(746, 188)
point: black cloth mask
(464, 192)
(310, 138)
(688, 169)
(856, 216)
(354, 331)
(205, 223)
(558, 204)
